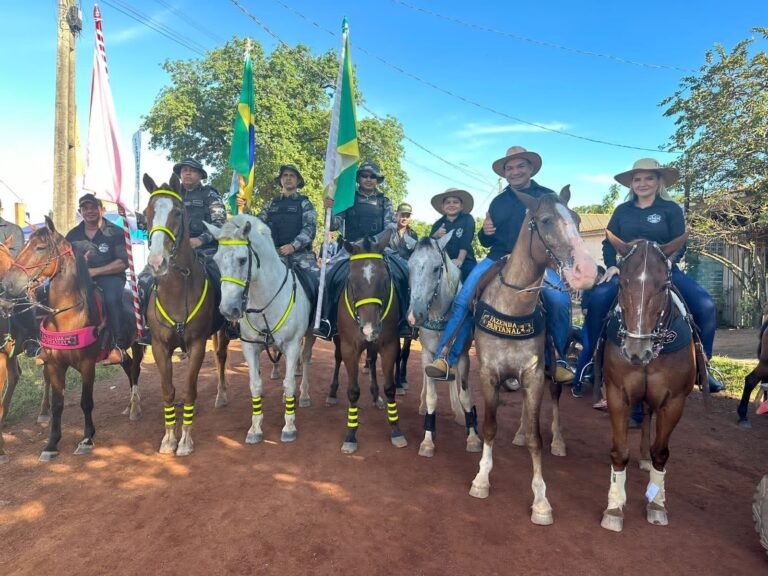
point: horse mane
(424, 242)
(85, 285)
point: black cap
(192, 163)
(290, 168)
(89, 198)
(373, 168)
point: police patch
(103, 248)
(459, 232)
(654, 218)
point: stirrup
(448, 375)
(324, 330)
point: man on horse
(404, 242)
(203, 204)
(371, 214)
(107, 265)
(505, 217)
(12, 231)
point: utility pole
(70, 22)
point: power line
(465, 99)
(182, 16)
(540, 42)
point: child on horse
(456, 205)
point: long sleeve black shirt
(463, 231)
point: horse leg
(667, 418)
(331, 399)
(162, 357)
(306, 364)
(5, 401)
(464, 400)
(402, 363)
(291, 353)
(351, 354)
(618, 409)
(388, 366)
(541, 510)
(645, 439)
(196, 355)
(371, 363)
(429, 395)
(88, 377)
(132, 367)
(522, 430)
(45, 404)
(759, 374)
(55, 375)
(252, 353)
(481, 485)
(220, 347)
(557, 447)
(275, 374)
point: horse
(368, 318)
(637, 369)
(70, 330)
(509, 308)
(181, 311)
(434, 282)
(261, 291)
(758, 376)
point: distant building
(592, 230)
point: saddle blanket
(490, 320)
(69, 340)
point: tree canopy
(606, 205)
(193, 116)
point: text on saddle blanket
(490, 320)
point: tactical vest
(364, 219)
(196, 203)
(284, 218)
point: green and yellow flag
(241, 156)
(342, 153)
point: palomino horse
(758, 376)
(434, 281)
(509, 308)
(262, 292)
(638, 370)
(181, 311)
(69, 331)
(368, 318)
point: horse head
(559, 243)
(430, 273)
(166, 222)
(369, 292)
(38, 261)
(644, 281)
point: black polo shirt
(463, 231)
(109, 241)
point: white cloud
(597, 178)
(472, 129)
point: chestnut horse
(72, 307)
(549, 236)
(182, 311)
(637, 370)
(368, 317)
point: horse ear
(149, 183)
(49, 224)
(442, 242)
(565, 194)
(214, 230)
(621, 247)
(671, 247)
(175, 183)
(246, 229)
(530, 202)
(382, 241)
(348, 246)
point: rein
(352, 307)
(441, 322)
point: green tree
(607, 204)
(193, 115)
(721, 118)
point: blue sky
(473, 49)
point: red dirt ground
(304, 508)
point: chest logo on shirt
(103, 248)
(459, 232)
(654, 218)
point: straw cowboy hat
(192, 163)
(669, 175)
(467, 202)
(517, 152)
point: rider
(12, 231)
(650, 214)
(203, 204)
(455, 205)
(404, 242)
(107, 265)
(501, 227)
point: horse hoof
(4, 459)
(305, 402)
(479, 491)
(656, 515)
(167, 448)
(379, 404)
(519, 440)
(349, 448)
(289, 436)
(645, 465)
(399, 441)
(613, 520)
(221, 401)
(47, 456)
(474, 445)
(44, 420)
(399, 391)
(254, 438)
(427, 450)
(558, 450)
(84, 448)
(331, 401)
(185, 450)
(745, 424)
(543, 518)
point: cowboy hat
(467, 202)
(517, 152)
(192, 163)
(373, 168)
(668, 174)
(290, 168)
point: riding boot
(714, 385)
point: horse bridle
(174, 236)
(245, 284)
(352, 307)
(440, 323)
(33, 281)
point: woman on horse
(650, 214)
(455, 205)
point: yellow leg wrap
(392, 412)
(290, 405)
(256, 403)
(170, 415)
(189, 412)
(352, 417)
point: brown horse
(637, 370)
(758, 376)
(182, 311)
(509, 306)
(368, 318)
(73, 319)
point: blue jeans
(558, 319)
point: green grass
(29, 391)
(732, 373)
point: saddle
(309, 278)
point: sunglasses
(368, 176)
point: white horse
(263, 293)
(435, 281)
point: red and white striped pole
(120, 208)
